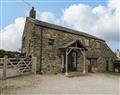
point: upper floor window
(97, 44)
(87, 42)
(93, 62)
(50, 43)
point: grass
(114, 73)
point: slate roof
(63, 29)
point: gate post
(4, 67)
(34, 62)
(84, 63)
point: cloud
(79, 16)
(11, 35)
(101, 21)
(47, 16)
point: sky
(96, 17)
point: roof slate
(63, 29)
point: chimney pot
(32, 13)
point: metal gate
(11, 67)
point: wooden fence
(10, 67)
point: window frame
(87, 42)
(93, 61)
(98, 44)
(50, 43)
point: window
(97, 44)
(93, 62)
(50, 43)
(87, 42)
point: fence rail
(10, 67)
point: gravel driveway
(93, 84)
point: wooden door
(72, 61)
(92, 65)
(89, 68)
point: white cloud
(79, 16)
(113, 4)
(47, 16)
(11, 35)
(101, 21)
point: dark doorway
(92, 66)
(89, 68)
(107, 65)
(72, 61)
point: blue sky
(12, 9)
(96, 17)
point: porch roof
(68, 44)
(117, 60)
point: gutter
(41, 45)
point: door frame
(72, 61)
(92, 65)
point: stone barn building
(62, 50)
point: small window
(50, 43)
(97, 44)
(87, 42)
(93, 62)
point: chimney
(118, 53)
(32, 13)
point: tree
(8, 53)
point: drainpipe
(41, 45)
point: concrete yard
(92, 84)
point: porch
(70, 51)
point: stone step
(75, 74)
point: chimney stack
(118, 53)
(32, 13)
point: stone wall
(27, 45)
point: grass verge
(113, 73)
